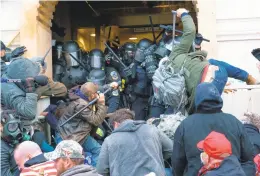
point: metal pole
(173, 25)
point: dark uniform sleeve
(179, 160)
(113, 97)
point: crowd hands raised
(140, 109)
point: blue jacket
(230, 166)
(209, 117)
(134, 149)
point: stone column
(207, 25)
(35, 32)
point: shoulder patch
(114, 75)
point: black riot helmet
(97, 76)
(97, 59)
(165, 47)
(72, 48)
(129, 49)
(141, 46)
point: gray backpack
(169, 86)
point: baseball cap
(216, 145)
(66, 149)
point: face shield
(139, 55)
(96, 62)
(128, 57)
(59, 52)
(71, 59)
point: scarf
(80, 94)
(210, 166)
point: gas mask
(13, 131)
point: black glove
(27, 85)
(198, 39)
(256, 53)
(18, 51)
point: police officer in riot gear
(70, 68)
(102, 75)
(139, 91)
(128, 53)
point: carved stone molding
(45, 13)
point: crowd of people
(141, 109)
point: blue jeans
(90, 145)
(226, 70)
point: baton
(79, 62)
(151, 22)
(173, 25)
(122, 63)
(90, 103)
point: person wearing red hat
(209, 117)
(217, 157)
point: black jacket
(254, 136)
(208, 103)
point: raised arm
(189, 32)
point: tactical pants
(156, 109)
(55, 89)
(140, 107)
(113, 103)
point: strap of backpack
(182, 67)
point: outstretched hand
(19, 51)
(180, 11)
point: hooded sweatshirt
(230, 166)
(134, 148)
(209, 117)
(81, 170)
